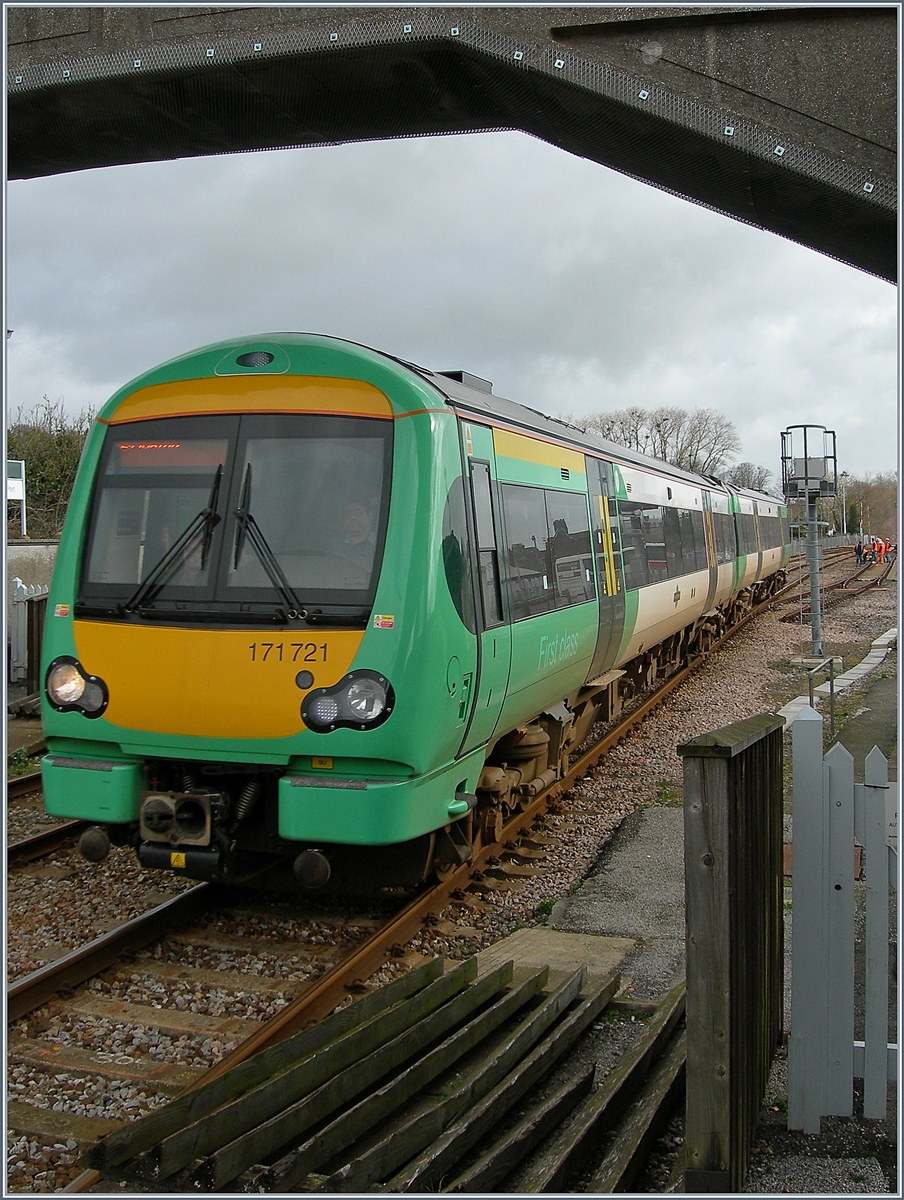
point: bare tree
(702, 441)
(706, 442)
(625, 426)
(748, 475)
(873, 499)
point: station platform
(877, 721)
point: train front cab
(210, 701)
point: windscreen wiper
(174, 558)
(245, 525)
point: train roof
(485, 403)
(473, 394)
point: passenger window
(634, 555)
(654, 541)
(693, 541)
(456, 555)
(569, 547)
(696, 522)
(673, 530)
(550, 558)
(723, 525)
(527, 531)
(747, 540)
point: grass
(669, 794)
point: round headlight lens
(366, 698)
(65, 683)
(361, 700)
(324, 710)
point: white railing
(831, 812)
(20, 595)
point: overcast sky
(571, 287)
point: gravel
(57, 906)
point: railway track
(38, 845)
(833, 594)
(42, 841)
(516, 850)
(495, 866)
(35, 989)
(23, 785)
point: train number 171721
(291, 652)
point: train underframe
(226, 815)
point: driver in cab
(359, 542)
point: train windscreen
(238, 513)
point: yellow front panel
(211, 683)
(547, 454)
(282, 393)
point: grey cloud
(568, 285)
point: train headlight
(366, 698)
(70, 688)
(361, 700)
(65, 683)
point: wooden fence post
(733, 900)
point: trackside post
(735, 948)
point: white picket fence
(829, 813)
(20, 595)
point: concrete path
(636, 890)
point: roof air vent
(469, 380)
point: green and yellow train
(321, 613)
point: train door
(712, 554)
(605, 535)
(760, 540)
(494, 632)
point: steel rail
(321, 997)
(835, 594)
(885, 574)
(41, 844)
(828, 587)
(22, 785)
(35, 989)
